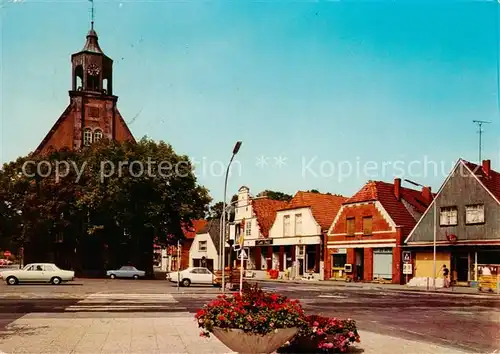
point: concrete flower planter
(248, 343)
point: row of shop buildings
(384, 232)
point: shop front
(339, 260)
(382, 264)
(463, 262)
(292, 257)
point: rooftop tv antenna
(480, 132)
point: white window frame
(97, 135)
(202, 249)
(474, 214)
(298, 224)
(287, 225)
(448, 216)
(87, 136)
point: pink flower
(315, 324)
(320, 332)
(351, 334)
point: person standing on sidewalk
(446, 276)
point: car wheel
(112, 276)
(136, 276)
(56, 280)
(12, 281)
(186, 282)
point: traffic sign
(407, 257)
(407, 268)
(243, 254)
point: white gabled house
(204, 251)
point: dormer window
(97, 135)
(87, 137)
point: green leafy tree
(314, 191)
(123, 196)
(274, 195)
(215, 211)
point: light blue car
(126, 272)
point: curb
(375, 287)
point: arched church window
(97, 135)
(79, 78)
(87, 137)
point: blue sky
(318, 85)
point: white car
(37, 273)
(192, 275)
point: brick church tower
(92, 112)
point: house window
(202, 246)
(248, 228)
(449, 216)
(87, 137)
(97, 135)
(298, 224)
(474, 214)
(286, 226)
(367, 225)
(350, 226)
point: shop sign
(266, 242)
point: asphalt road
(465, 322)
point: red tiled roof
(384, 193)
(265, 211)
(491, 182)
(190, 232)
(324, 207)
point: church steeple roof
(92, 44)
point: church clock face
(93, 70)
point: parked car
(37, 273)
(126, 272)
(192, 275)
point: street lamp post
(434, 243)
(223, 235)
(434, 232)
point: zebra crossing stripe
(127, 298)
(102, 302)
(106, 308)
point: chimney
(487, 167)
(427, 194)
(397, 188)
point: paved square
(99, 324)
(144, 323)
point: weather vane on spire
(92, 14)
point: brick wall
(368, 264)
(67, 132)
(382, 231)
(358, 211)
